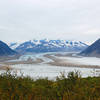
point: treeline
(73, 87)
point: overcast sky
(22, 20)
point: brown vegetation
(74, 87)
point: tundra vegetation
(13, 87)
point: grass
(73, 87)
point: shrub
(73, 87)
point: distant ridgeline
(5, 50)
(92, 50)
(48, 46)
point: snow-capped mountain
(48, 46)
(14, 45)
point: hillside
(93, 50)
(5, 50)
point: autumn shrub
(13, 87)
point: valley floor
(54, 59)
(52, 64)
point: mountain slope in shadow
(93, 50)
(5, 50)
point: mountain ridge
(46, 45)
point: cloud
(21, 20)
